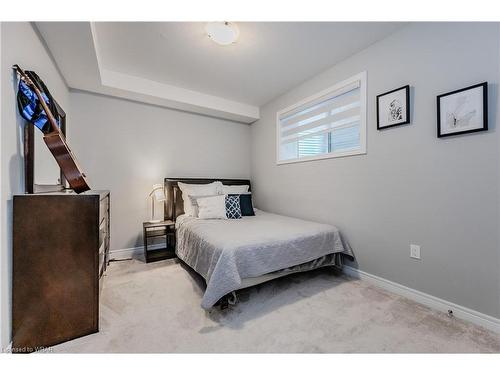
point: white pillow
(197, 189)
(212, 207)
(194, 202)
(234, 189)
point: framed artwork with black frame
(393, 108)
(463, 111)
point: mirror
(42, 173)
(46, 171)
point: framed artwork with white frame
(463, 111)
(393, 108)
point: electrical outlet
(415, 251)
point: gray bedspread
(226, 251)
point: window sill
(331, 155)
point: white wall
(126, 147)
(2, 316)
(411, 187)
(21, 45)
(498, 164)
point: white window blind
(331, 123)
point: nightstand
(164, 229)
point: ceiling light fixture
(223, 33)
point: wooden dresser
(60, 252)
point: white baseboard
(436, 303)
(131, 252)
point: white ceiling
(267, 60)
(172, 60)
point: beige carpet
(156, 308)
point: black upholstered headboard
(174, 205)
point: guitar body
(67, 162)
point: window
(329, 124)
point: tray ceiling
(174, 64)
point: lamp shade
(158, 193)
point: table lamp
(156, 195)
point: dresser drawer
(103, 208)
(103, 232)
(102, 258)
(103, 245)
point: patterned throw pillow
(246, 204)
(233, 208)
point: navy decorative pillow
(233, 208)
(246, 204)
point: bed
(235, 254)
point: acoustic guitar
(56, 142)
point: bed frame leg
(228, 299)
(232, 298)
(224, 304)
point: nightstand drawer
(156, 232)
